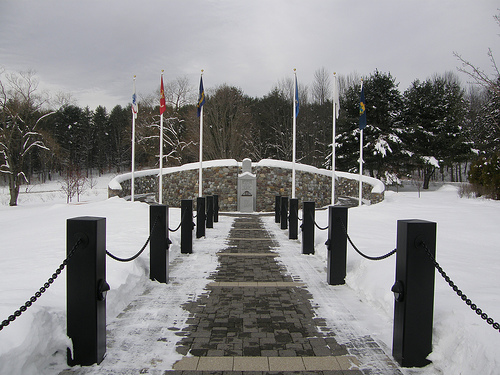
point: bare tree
(179, 92)
(285, 88)
(321, 87)
(227, 124)
(479, 75)
(488, 127)
(347, 81)
(21, 110)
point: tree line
(435, 126)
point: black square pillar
(159, 243)
(85, 280)
(414, 293)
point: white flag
(336, 99)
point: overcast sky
(93, 48)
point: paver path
(254, 316)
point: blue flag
(201, 97)
(362, 110)
(297, 105)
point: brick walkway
(255, 317)
(252, 318)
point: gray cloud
(94, 48)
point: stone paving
(256, 318)
(252, 318)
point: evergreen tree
(433, 116)
(272, 136)
(120, 136)
(382, 142)
(347, 132)
(102, 139)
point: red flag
(162, 98)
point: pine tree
(382, 142)
(433, 116)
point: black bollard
(187, 226)
(414, 293)
(293, 229)
(337, 245)
(277, 209)
(284, 212)
(86, 289)
(158, 243)
(216, 208)
(210, 211)
(200, 217)
(308, 227)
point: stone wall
(223, 181)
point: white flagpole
(200, 174)
(360, 166)
(335, 97)
(160, 188)
(134, 115)
(360, 161)
(294, 132)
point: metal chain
(140, 251)
(359, 252)
(463, 296)
(182, 219)
(42, 290)
(320, 228)
(176, 229)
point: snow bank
(33, 246)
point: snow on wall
(274, 178)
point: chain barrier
(359, 252)
(316, 224)
(42, 290)
(468, 302)
(182, 219)
(140, 251)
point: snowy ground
(33, 246)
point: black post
(210, 211)
(277, 209)
(86, 289)
(337, 245)
(308, 227)
(187, 226)
(414, 293)
(158, 243)
(216, 208)
(293, 231)
(200, 217)
(284, 212)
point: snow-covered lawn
(33, 246)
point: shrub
(484, 175)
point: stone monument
(247, 188)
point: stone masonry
(223, 181)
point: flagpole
(360, 161)
(360, 166)
(134, 115)
(160, 187)
(200, 173)
(294, 132)
(333, 134)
